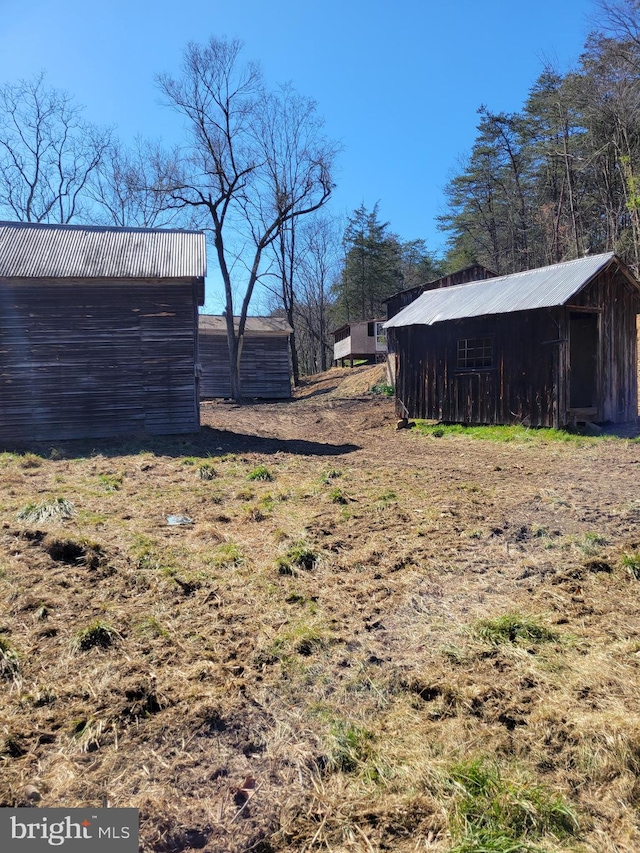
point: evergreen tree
(372, 268)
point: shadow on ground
(208, 442)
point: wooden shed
(98, 330)
(265, 364)
(545, 347)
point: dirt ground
(299, 666)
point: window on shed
(371, 329)
(475, 353)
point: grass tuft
(60, 508)
(631, 562)
(96, 635)
(298, 556)
(9, 665)
(351, 747)
(512, 628)
(493, 814)
(260, 473)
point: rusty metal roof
(217, 324)
(545, 287)
(30, 250)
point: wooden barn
(545, 347)
(265, 364)
(98, 330)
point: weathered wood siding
(430, 385)
(265, 370)
(530, 380)
(97, 359)
(616, 303)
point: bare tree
(128, 187)
(256, 161)
(47, 153)
(320, 259)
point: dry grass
(447, 657)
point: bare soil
(246, 698)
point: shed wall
(520, 387)
(265, 371)
(97, 359)
(616, 302)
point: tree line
(561, 177)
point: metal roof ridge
(74, 226)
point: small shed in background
(545, 347)
(98, 330)
(364, 341)
(265, 364)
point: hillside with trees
(560, 178)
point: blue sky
(398, 83)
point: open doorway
(583, 354)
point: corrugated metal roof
(29, 250)
(545, 287)
(217, 323)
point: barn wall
(519, 388)
(265, 370)
(616, 303)
(97, 359)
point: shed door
(583, 352)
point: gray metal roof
(29, 250)
(545, 287)
(217, 324)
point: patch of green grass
(631, 562)
(298, 556)
(386, 498)
(149, 626)
(9, 666)
(512, 628)
(57, 509)
(337, 496)
(501, 433)
(144, 554)
(493, 814)
(332, 474)
(110, 482)
(350, 747)
(260, 473)
(591, 543)
(227, 555)
(300, 639)
(383, 389)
